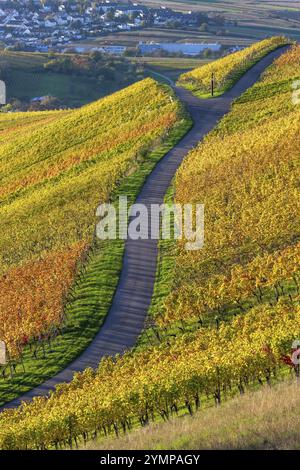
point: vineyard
(266, 418)
(55, 170)
(232, 312)
(12, 124)
(227, 70)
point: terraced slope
(180, 371)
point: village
(39, 25)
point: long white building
(177, 47)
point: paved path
(126, 317)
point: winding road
(127, 314)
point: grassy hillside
(172, 67)
(228, 70)
(27, 76)
(12, 124)
(59, 275)
(266, 419)
(233, 309)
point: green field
(223, 318)
(28, 79)
(212, 368)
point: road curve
(127, 314)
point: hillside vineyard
(246, 172)
(55, 169)
(227, 70)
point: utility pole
(212, 84)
